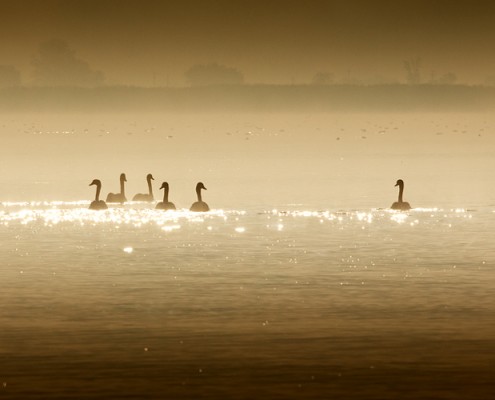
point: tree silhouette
(57, 65)
(446, 79)
(9, 76)
(413, 70)
(213, 74)
(322, 78)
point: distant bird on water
(199, 205)
(149, 195)
(401, 205)
(118, 197)
(165, 204)
(97, 204)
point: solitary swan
(97, 204)
(400, 205)
(165, 204)
(200, 205)
(143, 196)
(118, 197)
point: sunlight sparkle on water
(363, 216)
(137, 216)
(54, 213)
(170, 228)
(399, 217)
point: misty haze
(221, 199)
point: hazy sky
(269, 41)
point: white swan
(118, 197)
(165, 204)
(401, 205)
(146, 196)
(97, 204)
(199, 205)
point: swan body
(165, 204)
(404, 206)
(118, 197)
(97, 204)
(200, 205)
(146, 196)
(400, 205)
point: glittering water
(252, 303)
(325, 297)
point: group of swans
(199, 206)
(97, 204)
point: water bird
(146, 196)
(97, 204)
(199, 205)
(118, 197)
(165, 204)
(401, 205)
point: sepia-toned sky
(280, 41)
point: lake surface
(300, 283)
(241, 303)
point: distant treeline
(250, 98)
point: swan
(199, 205)
(400, 205)
(149, 195)
(165, 204)
(118, 197)
(97, 204)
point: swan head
(400, 182)
(200, 186)
(149, 177)
(164, 185)
(96, 182)
(123, 178)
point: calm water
(295, 286)
(288, 303)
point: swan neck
(122, 189)
(401, 191)
(98, 190)
(198, 192)
(165, 195)
(150, 187)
